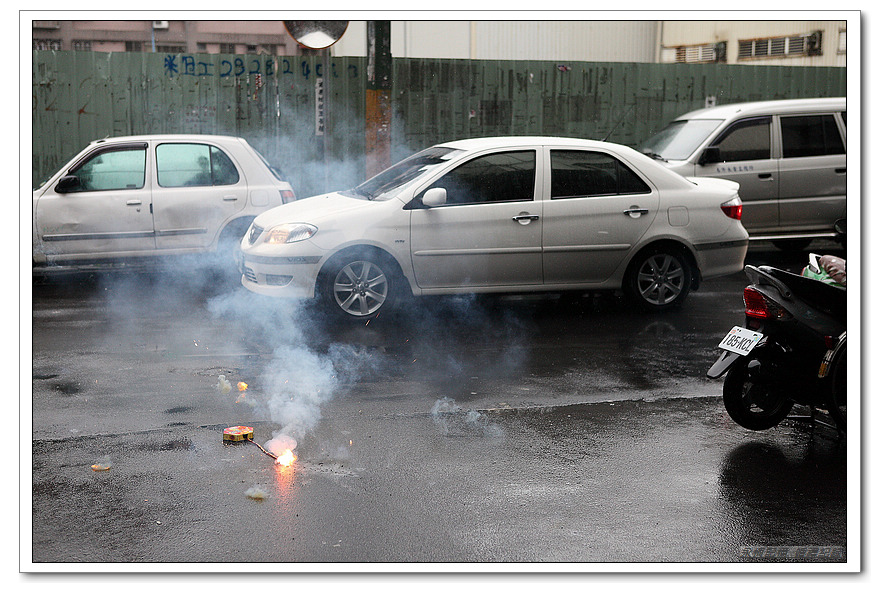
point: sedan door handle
(230, 198)
(765, 175)
(635, 212)
(526, 218)
(133, 203)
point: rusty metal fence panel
(307, 114)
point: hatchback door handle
(765, 175)
(525, 218)
(230, 198)
(133, 203)
(635, 212)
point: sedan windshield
(678, 140)
(391, 181)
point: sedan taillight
(733, 208)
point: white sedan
(506, 214)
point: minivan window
(810, 135)
(678, 140)
(112, 170)
(497, 177)
(191, 165)
(745, 140)
(580, 173)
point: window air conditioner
(160, 24)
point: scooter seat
(829, 299)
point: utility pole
(378, 99)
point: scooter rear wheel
(752, 404)
(837, 405)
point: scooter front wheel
(755, 405)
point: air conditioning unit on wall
(160, 24)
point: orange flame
(242, 386)
(286, 458)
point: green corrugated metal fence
(275, 103)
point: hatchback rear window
(192, 165)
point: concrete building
(759, 42)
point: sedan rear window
(580, 173)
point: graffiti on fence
(188, 65)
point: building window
(227, 48)
(695, 54)
(809, 44)
(170, 49)
(841, 42)
(47, 44)
(82, 45)
(134, 46)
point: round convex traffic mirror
(316, 34)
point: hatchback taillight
(733, 208)
(760, 307)
(287, 196)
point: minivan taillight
(733, 208)
(287, 196)
(760, 307)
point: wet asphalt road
(462, 430)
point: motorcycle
(792, 349)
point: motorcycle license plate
(740, 340)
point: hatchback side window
(113, 170)
(497, 177)
(579, 173)
(188, 165)
(810, 135)
(745, 140)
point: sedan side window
(579, 173)
(189, 165)
(497, 177)
(810, 135)
(113, 170)
(745, 140)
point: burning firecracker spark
(242, 386)
(286, 458)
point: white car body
(127, 205)
(534, 243)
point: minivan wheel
(658, 279)
(360, 286)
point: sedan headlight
(290, 233)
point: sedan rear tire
(658, 279)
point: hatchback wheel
(658, 279)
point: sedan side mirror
(67, 184)
(711, 155)
(436, 196)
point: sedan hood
(312, 210)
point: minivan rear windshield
(391, 181)
(678, 140)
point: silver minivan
(789, 158)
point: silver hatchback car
(496, 215)
(143, 196)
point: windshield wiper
(654, 155)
